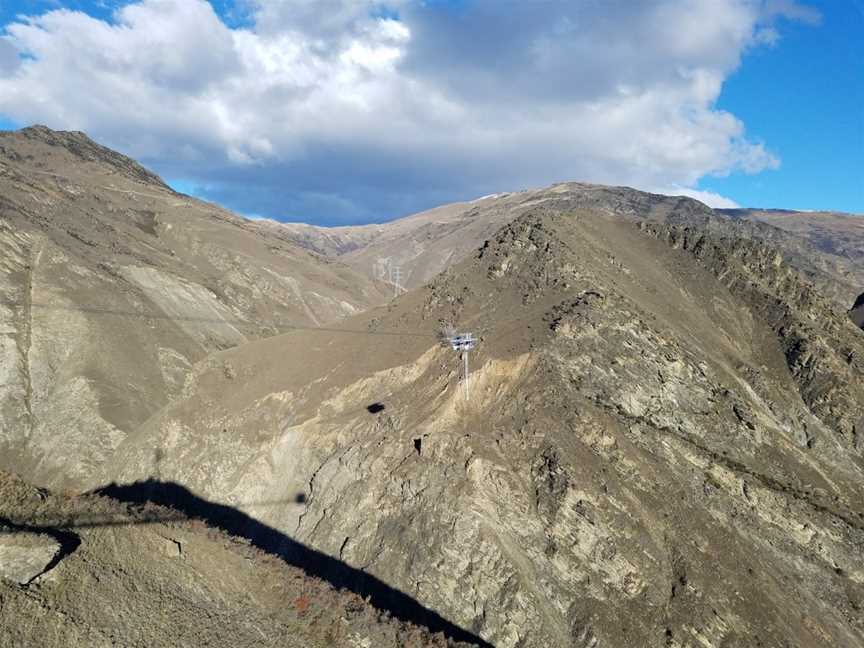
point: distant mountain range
(660, 441)
(828, 247)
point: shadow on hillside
(311, 561)
(68, 542)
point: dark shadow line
(53, 524)
(68, 541)
(315, 563)
(281, 326)
(95, 521)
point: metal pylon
(463, 343)
(396, 276)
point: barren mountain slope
(88, 571)
(425, 244)
(662, 445)
(837, 236)
(112, 286)
(421, 245)
(829, 249)
(833, 232)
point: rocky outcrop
(82, 149)
(25, 556)
(837, 238)
(823, 353)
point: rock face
(829, 243)
(112, 286)
(662, 445)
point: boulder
(25, 556)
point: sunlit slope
(827, 248)
(662, 442)
(113, 286)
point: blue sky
(805, 98)
(351, 111)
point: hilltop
(826, 247)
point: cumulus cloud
(357, 110)
(708, 197)
(8, 57)
(792, 10)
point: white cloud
(791, 10)
(8, 57)
(708, 197)
(369, 108)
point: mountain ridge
(114, 285)
(660, 441)
(736, 408)
(421, 245)
(80, 145)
